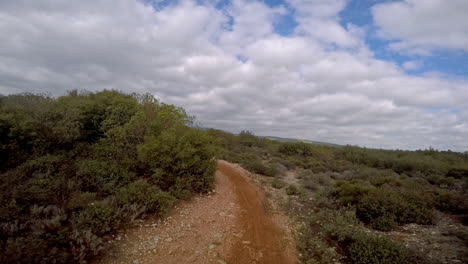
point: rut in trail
(231, 226)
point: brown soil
(230, 225)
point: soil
(229, 225)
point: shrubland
(351, 203)
(73, 169)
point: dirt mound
(230, 225)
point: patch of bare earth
(229, 225)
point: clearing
(230, 225)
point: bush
(351, 192)
(34, 250)
(278, 184)
(103, 176)
(81, 200)
(314, 250)
(292, 190)
(144, 195)
(371, 249)
(73, 168)
(289, 165)
(259, 168)
(182, 158)
(99, 217)
(383, 209)
(451, 202)
(295, 148)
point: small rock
(211, 246)
(136, 262)
(152, 247)
(246, 242)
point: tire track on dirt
(230, 225)
(263, 241)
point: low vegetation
(73, 169)
(353, 205)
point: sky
(374, 73)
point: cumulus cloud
(420, 26)
(230, 68)
(412, 65)
(319, 19)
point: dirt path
(230, 225)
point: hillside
(357, 205)
(281, 139)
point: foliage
(368, 249)
(99, 217)
(142, 194)
(292, 190)
(73, 168)
(384, 208)
(278, 184)
(180, 160)
(352, 191)
(258, 167)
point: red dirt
(262, 240)
(231, 225)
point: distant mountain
(300, 140)
(281, 139)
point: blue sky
(450, 63)
(358, 12)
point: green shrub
(144, 195)
(442, 180)
(341, 226)
(316, 181)
(351, 192)
(103, 176)
(258, 167)
(343, 229)
(385, 222)
(383, 208)
(81, 200)
(371, 249)
(72, 169)
(295, 148)
(314, 250)
(292, 190)
(99, 217)
(34, 250)
(451, 202)
(278, 184)
(325, 234)
(286, 163)
(182, 157)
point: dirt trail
(230, 225)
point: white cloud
(412, 65)
(420, 26)
(319, 19)
(308, 85)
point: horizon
(378, 74)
